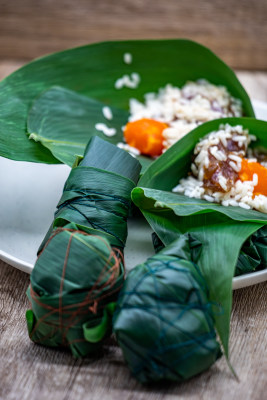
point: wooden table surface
(236, 31)
(29, 371)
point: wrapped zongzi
(216, 205)
(164, 320)
(80, 267)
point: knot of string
(70, 316)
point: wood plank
(31, 28)
(31, 371)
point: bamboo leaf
(221, 230)
(80, 266)
(92, 71)
(164, 321)
(64, 121)
(221, 239)
(174, 164)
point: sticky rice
(183, 109)
(223, 168)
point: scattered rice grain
(107, 112)
(127, 58)
(105, 129)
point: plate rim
(238, 282)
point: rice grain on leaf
(63, 121)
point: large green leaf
(63, 121)
(221, 230)
(92, 71)
(175, 163)
(221, 237)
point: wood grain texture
(236, 31)
(29, 371)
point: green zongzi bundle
(80, 268)
(253, 254)
(228, 233)
(164, 320)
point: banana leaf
(91, 71)
(164, 321)
(80, 269)
(96, 196)
(253, 254)
(72, 117)
(221, 231)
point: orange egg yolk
(145, 135)
(248, 169)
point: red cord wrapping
(93, 304)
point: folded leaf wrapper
(63, 118)
(218, 232)
(80, 268)
(253, 254)
(164, 320)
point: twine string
(70, 315)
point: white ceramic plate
(29, 194)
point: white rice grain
(223, 182)
(209, 198)
(130, 81)
(105, 129)
(240, 194)
(244, 205)
(127, 58)
(235, 166)
(183, 109)
(130, 149)
(107, 113)
(234, 157)
(255, 179)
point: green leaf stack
(253, 254)
(164, 320)
(220, 231)
(80, 268)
